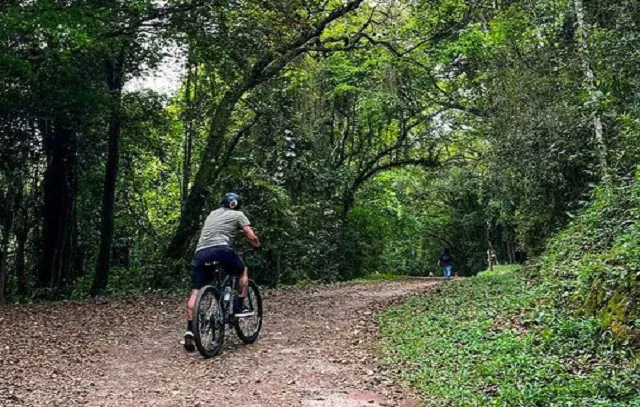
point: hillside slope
(594, 264)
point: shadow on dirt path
(315, 351)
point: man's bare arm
(250, 234)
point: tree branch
(224, 161)
(404, 133)
(429, 162)
(272, 63)
(134, 24)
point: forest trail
(316, 350)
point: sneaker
(188, 343)
(240, 309)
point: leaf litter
(316, 349)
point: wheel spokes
(209, 321)
(250, 324)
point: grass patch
(494, 340)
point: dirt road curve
(315, 351)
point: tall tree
(115, 70)
(59, 201)
(127, 50)
(190, 99)
(7, 218)
(594, 94)
(254, 73)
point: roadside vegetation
(496, 339)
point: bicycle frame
(223, 287)
(222, 279)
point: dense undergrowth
(594, 264)
(497, 340)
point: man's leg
(188, 335)
(198, 280)
(234, 263)
(191, 303)
(244, 283)
(239, 301)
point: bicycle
(213, 310)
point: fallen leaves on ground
(316, 344)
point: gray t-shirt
(221, 228)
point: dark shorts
(231, 262)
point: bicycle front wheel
(248, 328)
(208, 324)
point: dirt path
(315, 351)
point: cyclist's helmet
(231, 200)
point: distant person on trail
(492, 258)
(446, 262)
(216, 244)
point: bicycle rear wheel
(208, 324)
(248, 328)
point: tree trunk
(592, 87)
(510, 258)
(59, 201)
(207, 174)
(490, 260)
(189, 125)
(115, 73)
(7, 230)
(19, 264)
(21, 233)
(261, 71)
(347, 204)
(3, 273)
(79, 256)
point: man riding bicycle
(216, 244)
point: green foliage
(406, 217)
(594, 264)
(496, 340)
